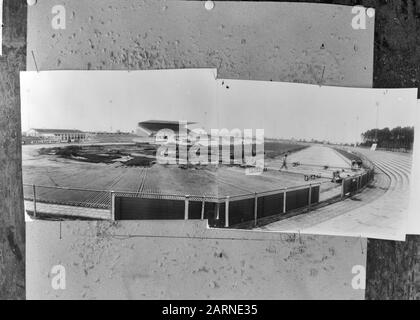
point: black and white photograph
(180, 144)
(353, 146)
(203, 157)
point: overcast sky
(115, 100)
(118, 100)
(291, 110)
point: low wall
(220, 212)
(354, 184)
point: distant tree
(396, 138)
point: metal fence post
(203, 203)
(186, 207)
(357, 184)
(310, 196)
(227, 212)
(217, 207)
(255, 208)
(284, 199)
(34, 191)
(319, 193)
(112, 206)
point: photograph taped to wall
(326, 136)
(173, 145)
(86, 134)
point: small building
(57, 135)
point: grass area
(348, 155)
(142, 154)
(274, 149)
(105, 153)
(139, 162)
(113, 138)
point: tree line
(396, 138)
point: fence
(354, 184)
(219, 211)
(79, 197)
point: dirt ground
(48, 171)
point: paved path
(318, 159)
(317, 156)
(378, 212)
(320, 156)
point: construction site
(318, 185)
(306, 165)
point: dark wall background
(393, 268)
(12, 224)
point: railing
(256, 205)
(78, 197)
(220, 211)
(355, 184)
